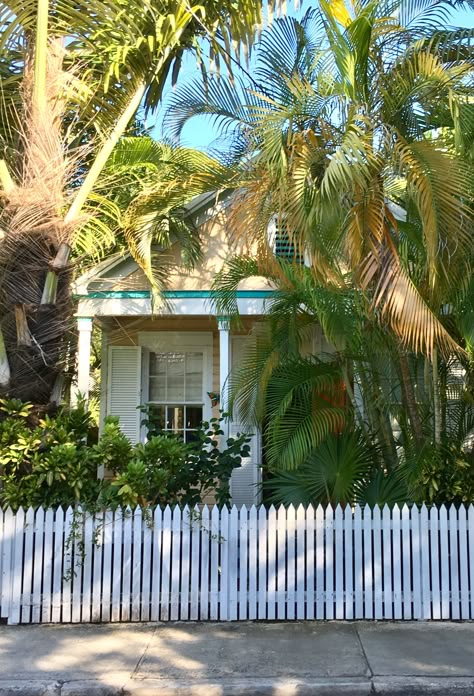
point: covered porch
(177, 359)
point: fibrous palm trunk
(37, 336)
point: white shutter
(244, 481)
(125, 388)
(244, 484)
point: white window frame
(181, 342)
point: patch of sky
(203, 133)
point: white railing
(236, 564)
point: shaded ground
(237, 658)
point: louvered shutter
(244, 484)
(244, 481)
(125, 387)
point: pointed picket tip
(301, 508)
(243, 510)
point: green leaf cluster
(51, 460)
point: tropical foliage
(52, 461)
(355, 143)
(74, 75)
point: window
(284, 246)
(176, 388)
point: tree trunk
(408, 395)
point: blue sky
(199, 132)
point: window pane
(175, 419)
(193, 416)
(157, 389)
(175, 391)
(194, 377)
(157, 416)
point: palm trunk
(436, 399)
(408, 394)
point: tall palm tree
(76, 74)
(345, 121)
(354, 135)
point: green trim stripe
(171, 294)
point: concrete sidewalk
(237, 659)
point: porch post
(224, 362)
(84, 327)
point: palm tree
(75, 76)
(355, 137)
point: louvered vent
(125, 388)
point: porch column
(224, 362)
(84, 327)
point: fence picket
(397, 561)
(300, 562)
(166, 566)
(136, 565)
(348, 589)
(281, 564)
(27, 584)
(253, 567)
(425, 564)
(310, 565)
(224, 566)
(320, 597)
(147, 557)
(185, 564)
(387, 562)
(291, 560)
(97, 549)
(106, 563)
(262, 564)
(214, 565)
(339, 563)
(406, 568)
(329, 558)
(15, 601)
(358, 566)
(377, 563)
(416, 562)
(175, 565)
(454, 559)
(195, 524)
(156, 540)
(204, 581)
(368, 569)
(76, 560)
(243, 561)
(470, 522)
(233, 558)
(444, 558)
(7, 553)
(435, 569)
(126, 565)
(58, 564)
(87, 575)
(463, 565)
(117, 565)
(37, 566)
(273, 557)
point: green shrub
(50, 461)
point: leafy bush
(48, 461)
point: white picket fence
(236, 564)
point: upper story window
(283, 244)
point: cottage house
(179, 356)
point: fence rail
(272, 564)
